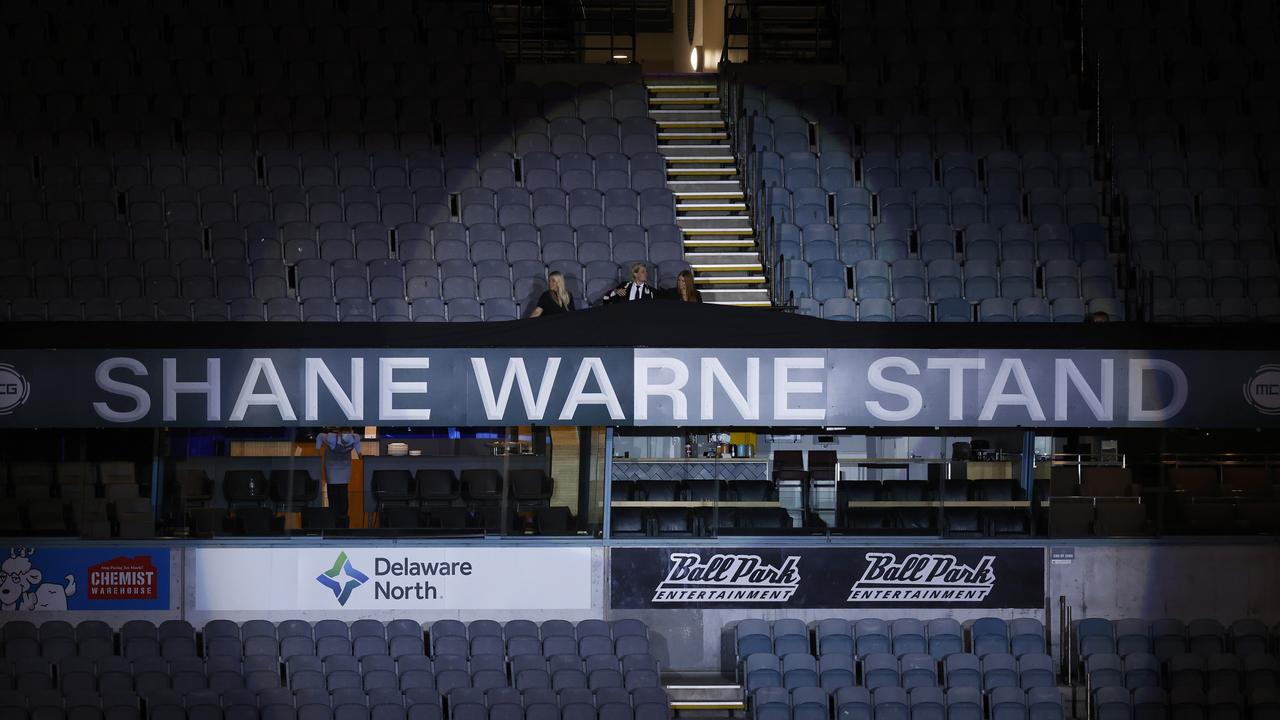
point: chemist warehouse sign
(391, 578)
(656, 387)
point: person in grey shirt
(337, 446)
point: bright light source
(619, 57)
(695, 55)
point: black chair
(401, 517)
(492, 518)
(293, 487)
(438, 486)
(245, 487)
(318, 518)
(206, 521)
(194, 487)
(628, 522)
(788, 461)
(530, 488)
(764, 520)
(752, 490)
(624, 490)
(996, 489)
(246, 491)
(913, 521)
(554, 521)
(674, 522)
(659, 490)
(447, 518)
(392, 487)
(482, 486)
(706, 490)
(254, 521)
(963, 522)
(822, 465)
(906, 490)
(1070, 516)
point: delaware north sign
(642, 386)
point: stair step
(699, 87)
(689, 111)
(728, 256)
(674, 151)
(733, 221)
(727, 220)
(729, 279)
(719, 231)
(719, 195)
(718, 184)
(684, 101)
(690, 135)
(710, 122)
(690, 159)
(732, 170)
(719, 242)
(746, 267)
(724, 292)
(710, 207)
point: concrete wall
(1224, 580)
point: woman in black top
(686, 290)
(556, 299)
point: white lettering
(591, 366)
(211, 388)
(674, 388)
(955, 368)
(877, 381)
(352, 405)
(1101, 405)
(277, 398)
(1025, 397)
(517, 373)
(389, 387)
(713, 373)
(1138, 368)
(141, 399)
(784, 387)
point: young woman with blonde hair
(556, 299)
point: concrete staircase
(703, 173)
(697, 699)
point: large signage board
(827, 577)
(640, 386)
(84, 578)
(389, 578)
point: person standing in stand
(637, 289)
(337, 446)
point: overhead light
(695, 58)
(619, 57)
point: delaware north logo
(333, 578)
(923, 577)
(14, 389)
(1263, 390)
(728, 578)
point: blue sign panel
(84, 579)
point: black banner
(826, 577)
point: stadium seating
(92, 500)
(262, 669)
(230, 165)
(1198, 666)
(873, 668)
